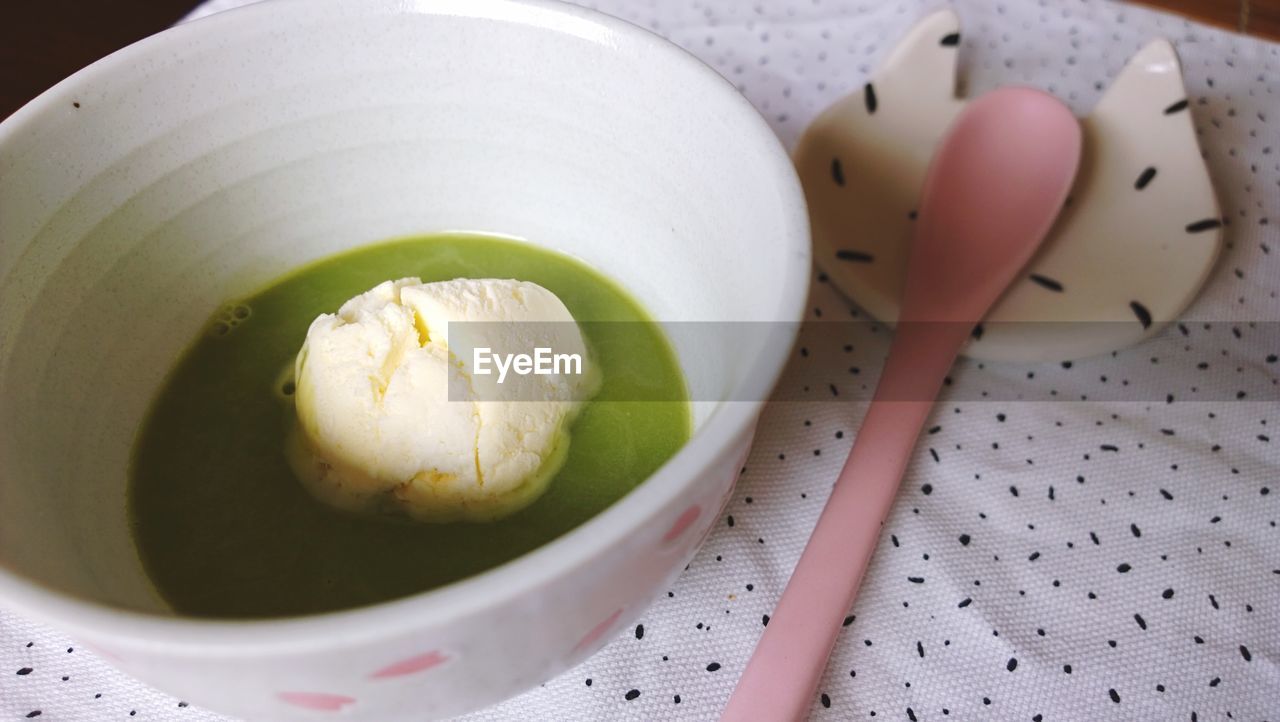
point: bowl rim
(140, 630)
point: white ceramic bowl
(201, 163)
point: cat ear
(1143, 120)
(1151, 81)
(1143, 229)
(925, 59)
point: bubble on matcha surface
(286, 383)
(228, 318)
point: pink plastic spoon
(992, 192)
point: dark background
(44, 41)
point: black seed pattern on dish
(1176, 107)
(1047, 282)
(632, 694)
(855, 256)
(1144, 316)
(869, 97)
(837, 172)
(1145, 177)
(950, 40)
(1203, 225)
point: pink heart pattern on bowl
(682, 523)
(317, 701)
(419, 663)
(598, 631)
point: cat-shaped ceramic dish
(1134, 243)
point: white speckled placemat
(1055, 560)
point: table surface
(44, 42)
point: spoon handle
(788, 662)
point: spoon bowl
(992, 192)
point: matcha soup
(225, 529)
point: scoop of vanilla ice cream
(393, 416)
